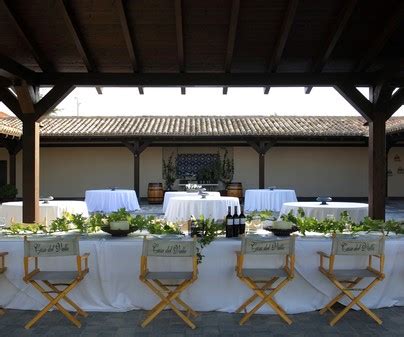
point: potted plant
(169, 172)
(8, 192)
(226, 168)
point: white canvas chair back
(359, 245)
(54, 246)
(259, 245)
(167, 247)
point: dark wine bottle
(229, 223)
(241, 219)
(236, 223)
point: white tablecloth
(50, 211)
(181, 208)
(169, 195)
(356, 210)
(108, 201)
(258, 200)
(112, 286)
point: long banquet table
(112, 286)
(267, 199)
(49, 211)
(108, 201)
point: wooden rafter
(333, 38)
(180, 38)
(77, 38)
(10, 101)
(57, 94)
(357, 100)
(128, 38)
(380, 41)
(283, 37)
(26, 35)
(214, 79)
(231, 39)
(16, 69)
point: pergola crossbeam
(283, 37)
(10, 101)
(356, 99)
(57, 94)
(16, 69)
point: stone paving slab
(209, 324)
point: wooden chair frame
(264, 289)
(3, 268)
(347, 287)
(47, 288)
(168, 296)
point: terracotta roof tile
(149, 126)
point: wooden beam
(261, 147)
(282, 38)
(77, 37)
(231, 38)
(211, 79)
(57, 94)
(27, 37)
(180, 38)
(5, 82)
(27, 96)
(397, 100)
(129, 41)
(10, 101)
(16, 69)
(386, 31)
(356, 99)
(333, 37)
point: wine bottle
(193, 225)
(236, 223)
(229, 223)
(241, 218)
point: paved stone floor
(210, 324)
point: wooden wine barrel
(155, 193)
(235, 190)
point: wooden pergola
(183, 43)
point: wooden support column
(13, 149)
(261, 148)
(389, 145)
(136, 148)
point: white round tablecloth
(50, 211)
(108, 201)
(181, 208)
(356, 210)
(266, 199)
(169, 195)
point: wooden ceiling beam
(386, 31)
(78, 39)
(5, 82)
(129, 41)
(282, 38)
(332, 39)
(180, 38)
(10, 101)
(231, 39)
(16, 69)
(27, 37)
(212, 79)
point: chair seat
(351, 273)
(174, 275)
(263, 274)
(55, 275)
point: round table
(169, 195)
(266, 199)
(49, 211)
(108, 201)
(356, 210)
(181, 208)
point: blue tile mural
(191, 165)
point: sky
(205, 101)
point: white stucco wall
(311, 171)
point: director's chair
(48, 282)
(347, 280)
(178, 280)
(3, 268)
(262, 280)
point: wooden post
(261, 170)
(30, 175)
(13, 149)
(262, 148)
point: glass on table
(254, 225)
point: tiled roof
(149, 126)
